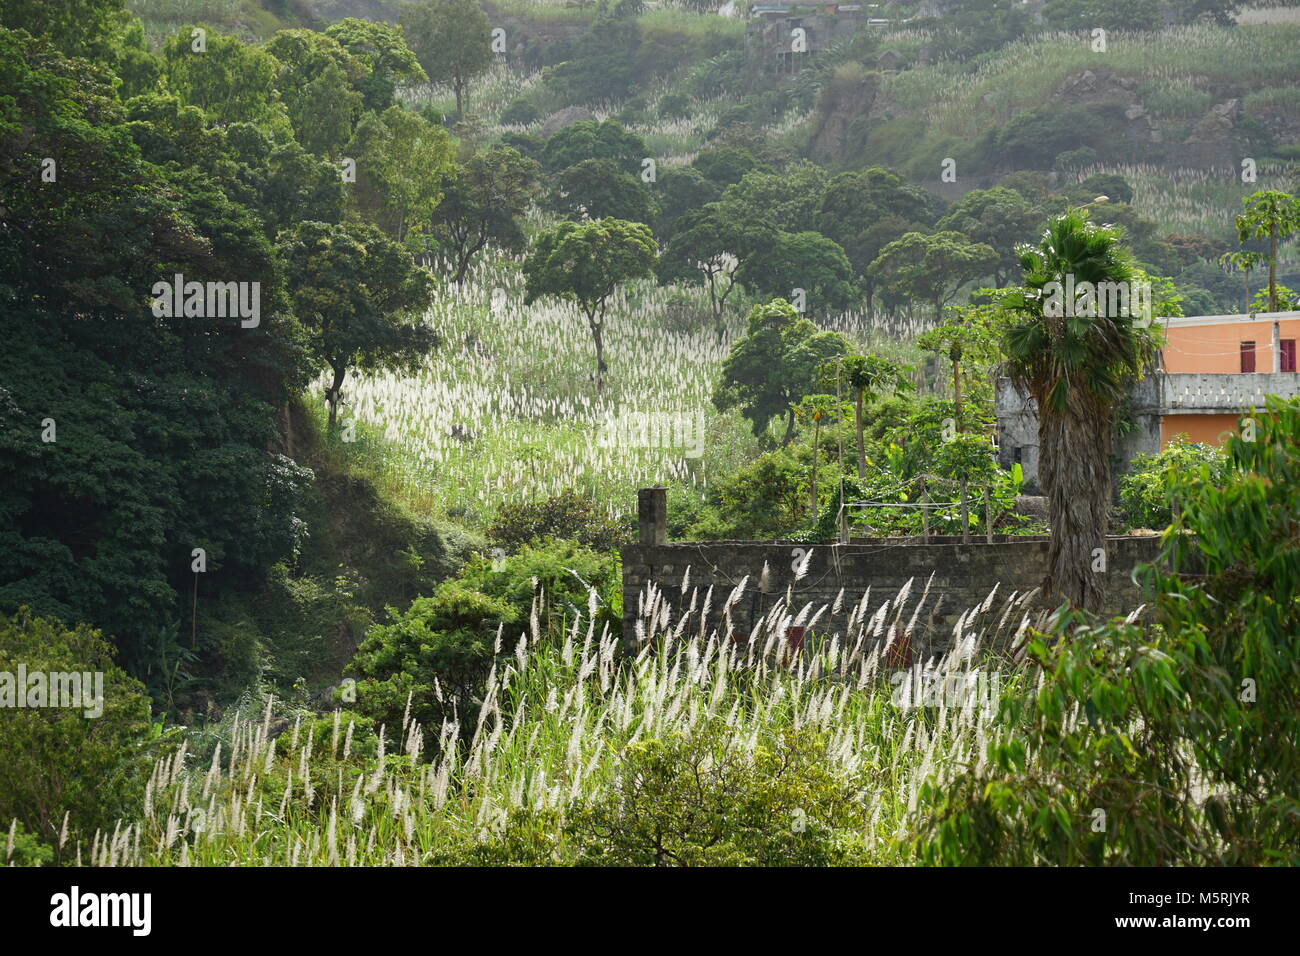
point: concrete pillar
(652, 515)
(1277, 348)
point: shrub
(58, 761)
(438, 652)
(566, 516)
(674, 105)
(1165, 744)
(702, 800)
(23, 849)
(1145, 492)
(520, 113)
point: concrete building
(1212, 369)
(791, 32)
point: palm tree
(1077, 368)
(1273, 215)
(1245, 262)
(868, 375)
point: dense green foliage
(1169, 742)
(1145, 490)
(68, 767)
(383, 456)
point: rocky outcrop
(1213, 140)
(842, 102)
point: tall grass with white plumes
(1204, 201)
(963, 100)
(557, 718)
(506, 408)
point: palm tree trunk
(816, 442)
(1272, 268)
(956, 390)
(1074, 468)
(965, 515)
(857, 424)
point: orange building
(1255, 345)
(1213, 369)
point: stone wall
(960, 576)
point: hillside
(446, 434)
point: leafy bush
(57, 760)
(701, 799)
(439, 651)
(24, 849)
(1145, 492)
(674, 105)
(570, 515)
(520, 113)
(1168, 743)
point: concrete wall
(1200, 405)
(961, 576)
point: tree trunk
(857, 424)
(1074, 469)
(956, 390)
(965, 514)
(598, 335)
(817, 428)
(459, 87)
(789, 428)
(1272, 268)
(334, 393)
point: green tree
(589, 140)
(787, 200)
(584, 263)
(788, 261)
(382, 48)
(1244, 262)
(452, 39)
(678, 191)
(1273, 215)
(360, 299)
(709, 243)
(317, 86)
(402, 161)
(58, 760)
(869, 376)
(775, 365)
(820, 411)
(228, 79)
(865, 211)
(1000, 218)
(725, 165)
(598, 189)
(144, 404)
(484, 201)
(74, 27)
(1077, 368)
(932, 268)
